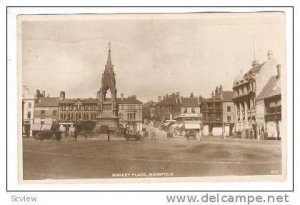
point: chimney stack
(221, 92)
(122, 96)
(43, 93)
(38, 93)
(270, 54)
(98, 94)
(255, 63)
(217, 91)
(278, 70)
(159, 98)
(62, 95)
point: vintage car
(48, 135)
(132, 135)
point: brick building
(45, 113)
(77, 111)
(130, 112)
(167, 107)
(190, 117)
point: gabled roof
(169, 101)
(270, 89)
(128, 101)
(211, 100)
(227, 96)
(190, 102)
(95, 100)
(255, 69)
(74, 100)
(47, 102)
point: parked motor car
(48, 135)
(134, 136)
(44, 135)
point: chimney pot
(255, 63)
(270, 54)
(278, 71)
(62, 95)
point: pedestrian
(168, 135)
(198, 135)
(262, 134)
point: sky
(152, 54)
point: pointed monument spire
(109, 63)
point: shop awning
(66, 123)
(36, 127)
(166, 124)
(175, 125)
(193, 126)
(46, 127)
(180, 125)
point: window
(228, 109)
(185, 110)
(228, 118)
(130, 116)
(42, 113)
(54, 112)
(29, 115)
(193, 110)
(29, 105)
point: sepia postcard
(151, 97)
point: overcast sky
(152, 54)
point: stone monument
(107, 115)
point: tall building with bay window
(247, 87)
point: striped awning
(191, 126)
(46, 127)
